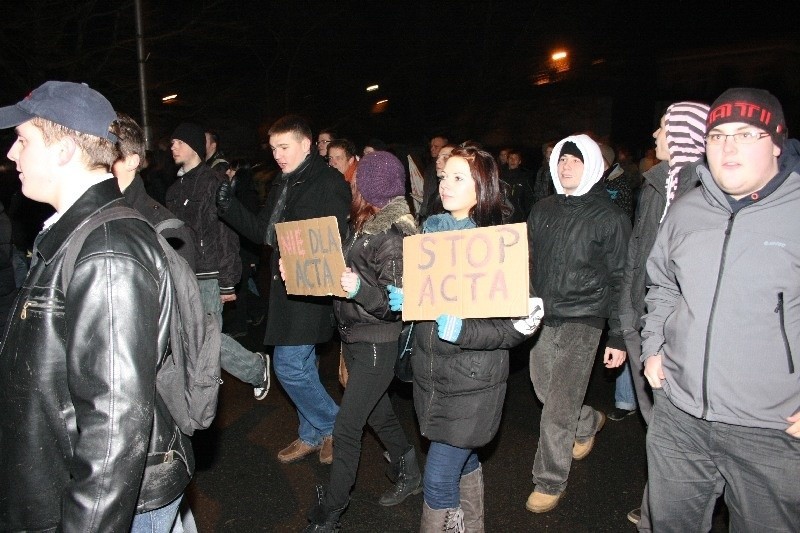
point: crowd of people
(683, 276)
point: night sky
(239, 64)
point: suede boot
(441, 520)
(404, 473)
(471, 490)
(323, 520)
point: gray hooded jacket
(724, 303)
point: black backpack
(188, 378)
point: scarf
(685, 125)
(446, 222)
(286, 181)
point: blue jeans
(161, 520)
(624, 395)
(443, 470)
(296, 369)
(234, 358)
(691, 462)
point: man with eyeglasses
(324, 138)
(721, 341)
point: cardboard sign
(475, 273)
(311, 252)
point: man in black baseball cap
(83, 443)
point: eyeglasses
(323, 142)
(743, 137)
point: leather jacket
(84, 440)
(376, 255)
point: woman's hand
(280, 267)
(350, 282)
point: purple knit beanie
(380, 177)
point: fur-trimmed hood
(396, 212)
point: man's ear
(306, 145)
(66, 149)
(132, 162)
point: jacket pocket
(781, 318)
(41, 306)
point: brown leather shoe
(582, 449)
(296, 451)
(539, 502)
(326, 451)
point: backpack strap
(170, 223)
(75, 243)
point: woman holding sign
(369, 330)
(461, 365)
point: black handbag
(402, 367)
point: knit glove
(527, 325)
(351, 283)
(395, 298)
(449, 327)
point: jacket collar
(395, 212)
(96, 197)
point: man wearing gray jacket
(722, 329)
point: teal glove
(352, 294)
(395, 298)
(449, 327)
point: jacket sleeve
(113, 308)
(488, 334)
(617, 237)
(251, 226)
(627, 315)
(388, 263)
(662, 296)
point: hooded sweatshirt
(592, 163)
(723, 302)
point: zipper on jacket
(711, 314)
(432, 382)
(374, 356)
(782, 318)
(47, 305)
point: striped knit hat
(685, 125)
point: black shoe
(618, 414)
(407, 479)
(323, 520)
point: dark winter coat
(81, 417)
(316, 191)
(181, 239)
(577, 255)
(376, 255)
(651, 207)
(192, 198)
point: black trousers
(365, 401)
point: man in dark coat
(307, 188)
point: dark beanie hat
(756, 107)
(570, 148)
(380, 177)
(193, 135)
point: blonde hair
(97, 153)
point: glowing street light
(372, 88)
(169, 98)
(561, 54)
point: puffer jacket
(577, 255)
(192, 198)
(460, 387)
(84, 440)
(376, 255)
(724, 299)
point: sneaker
(582, 449)
(539, 502)
(261, 392)
(635, 516)
(296, 451)
(618, 414)
(326, 450)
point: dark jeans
(691, 462)
(560, 365)
(444, 468)
(365, 401)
